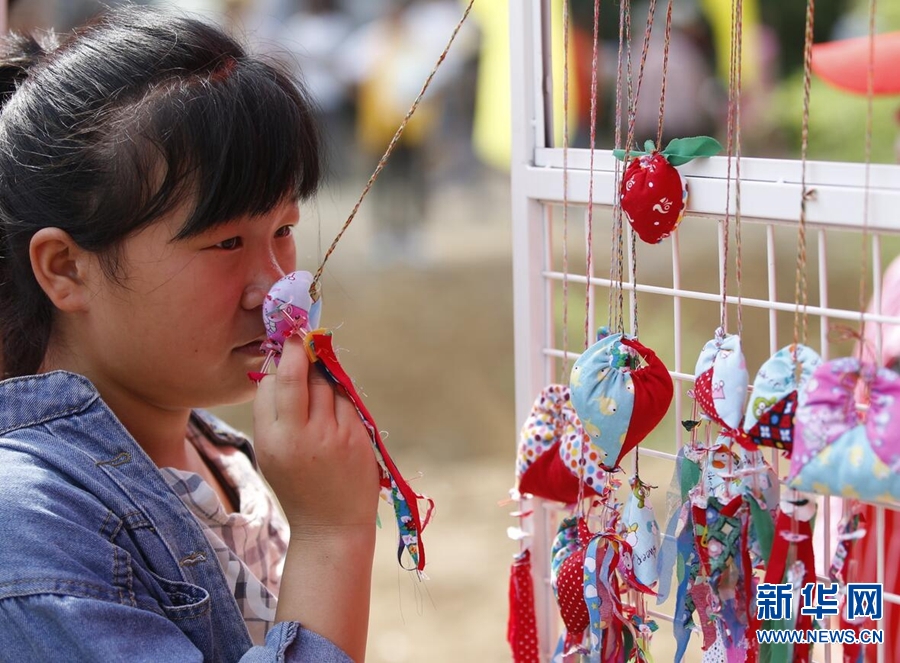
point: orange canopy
(845, 63)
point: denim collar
(25, 401)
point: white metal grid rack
(770, 211)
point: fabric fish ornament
(288, 309)
(718, 583)
(585, 581)
(793, 541)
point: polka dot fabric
(567, 574)
(521, 633)
(546, 464)
(654, 195)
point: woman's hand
(313, 448)
(317, 455)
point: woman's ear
(62, 268)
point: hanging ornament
(549, 451)
(718, 580)
(769, 420)
(654, 193)
(585, 570)
(287, 306)
(521, 630)
(641, 532)
(288, 310)
(710, 539)
(837, 450)
(793, 541)
(621, 391)
(720, 387)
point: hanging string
(665, 71)
(667, 38)
(634, 308)
(617, 206)
(736, 18)
(633, 92)
(595, 56)
(315, 287)
(800, 284)
(565, 174)
(662, 109)
(738, 48)
(870, 94)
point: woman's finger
(345, 412)
(291, 382)
(264, 413)
(321, 397)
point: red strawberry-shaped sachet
(653, 192)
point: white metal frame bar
(770, 188)
(531, 300)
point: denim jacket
(99, 559)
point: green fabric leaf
(690, 477)
(627, 640)
(650, 146)
(679, 151)
(764, 526)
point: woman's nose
(261, 279)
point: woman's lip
(254, 347)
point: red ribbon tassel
(778, 567)
(521, 631)
(324, 349)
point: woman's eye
(229, 244)
(284, 231)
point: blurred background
(420, 289)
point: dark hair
(131, 116)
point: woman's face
(183, 325)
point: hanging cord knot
(315, 290)
(839, 333)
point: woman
(150, 173)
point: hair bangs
(236, 142)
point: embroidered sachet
(721, 380)
(549, 450)
(769, 419)
(621, 391)
(840, 449)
